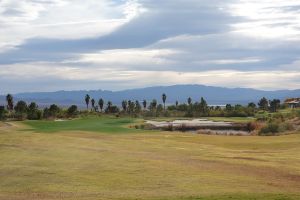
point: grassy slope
(87, 165)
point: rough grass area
(86, 165)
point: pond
(201, 126)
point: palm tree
(145, 104)
(87, 101)
(10, 102)
(176, 103)
(137, 107)
(124, 105)
(93, 103)
(101, 104)
(189, 100)
(164, 98)
(109, 104)
(203, 106)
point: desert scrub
(270, 129)
(273, 128)
(283, 127)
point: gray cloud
(163, 20)
(184, 36)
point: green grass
(94, 124)
(79, 160)
(265, 114)
(232, 119)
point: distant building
(293, 102)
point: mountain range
(213, 95)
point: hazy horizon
(125, 44)
(140, 88)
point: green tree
(164, 98)
(252, 105)
(124, 105)
(159, 109)
(111, 108)
(46, 113)
(189, 101)
(203, 106)
(2, 113)
(101, 104)
(274, 105)
(153, 105)
(263, 104)
(228, 107)
(145, 104)
(109, 105)
(72, 111)
(33, 112)
(54, 110)
(87, 101)
(21, 110)
(21, 107)
(93, 104)
(138, 107)
(131, 106)
(10, 102)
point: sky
(50, 45)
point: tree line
(21, 110)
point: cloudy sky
(49, 45)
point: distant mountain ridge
(213, 95)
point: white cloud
(268, 18)
(232, 61)
(130, 78)
(61, 19)
(129, 57)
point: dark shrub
(2, 113)
(51, 112)
(54, 110)
(269, 130)
(46, 113)
(21, 110)
(112, 109)
(33, 112)
(72, 111)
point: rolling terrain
(101, 158)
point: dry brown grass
(85, 165)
